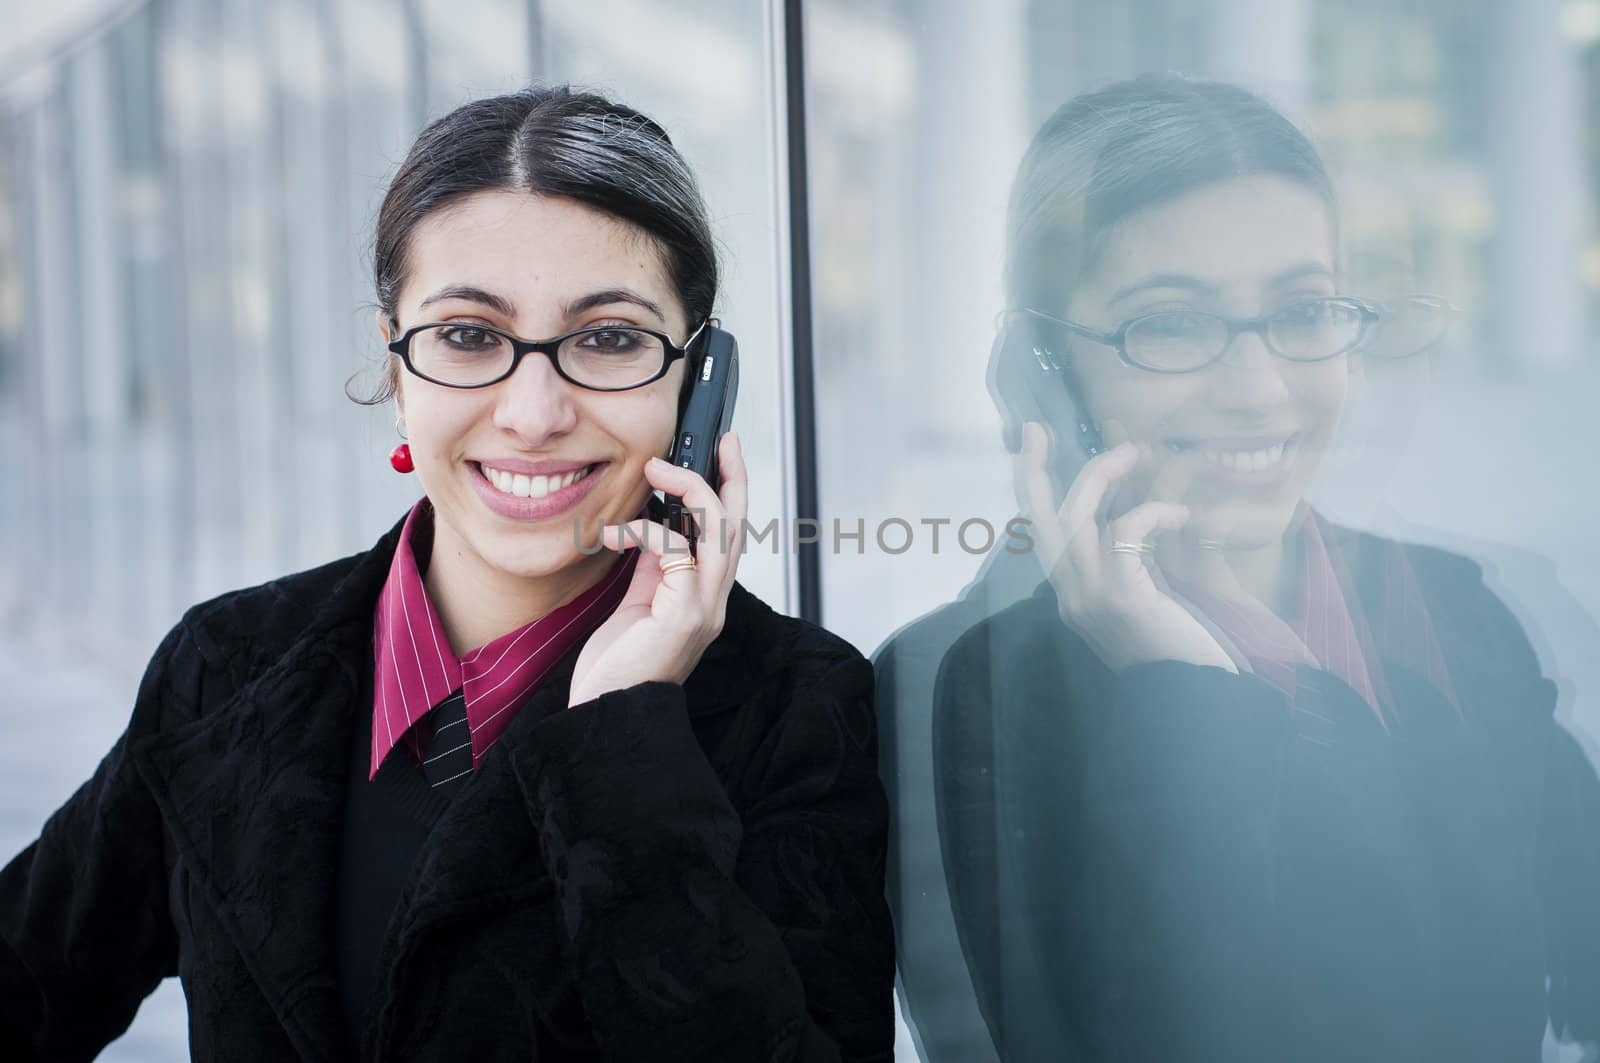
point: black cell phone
(707, 413)
(1029, 381)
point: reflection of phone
(1029, 381)
(706, 413)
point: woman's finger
(699, 500)
(1136, 528)
(735, 491)
(1079, 509)
(645, 535)
(1172, 481)
(1033, 474)
(721, 539)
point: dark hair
(1106, 154)
(552, 140)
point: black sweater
(386, 821)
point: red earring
(400, 458)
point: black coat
(1179, 863)
(668, 872)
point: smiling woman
(480, 791)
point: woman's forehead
(1247, 233)
(538, 253)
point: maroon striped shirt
(415, 669)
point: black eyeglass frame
(1117, 337)
(520, 348)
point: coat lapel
(253, 794)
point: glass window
(1165, 779)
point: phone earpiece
(1009, 386)
(1028, 381)
(693, 361)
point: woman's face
(535, 266)
(1238, 441)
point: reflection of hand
(666, 621)
(1108, 597)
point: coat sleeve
(704, 928)
(85, 929)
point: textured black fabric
(1177, 862)
(668, 872)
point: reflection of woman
(479, 792)
(1236, 783)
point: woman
(484, 791)
(1236, 783)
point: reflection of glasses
(603, 358)
(1410, 326)
(1183, 341)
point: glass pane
(703, 70)
(1307, 774)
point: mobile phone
(706, 414)
(1029, 381)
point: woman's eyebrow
(1300, 272)
(1164, 280)
(470, 294)
(608, 296)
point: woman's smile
(523, 490)
(1260, 463)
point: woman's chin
(1241, 526)
(546, 552)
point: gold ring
(678, 564)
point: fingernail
(661, 463)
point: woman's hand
(666, 621)
(1110, 597)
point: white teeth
(525, 486)
(1245, 460)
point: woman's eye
(469, 339)
(1177, 323)
(1304, 313)
(611, 341)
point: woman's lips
(1261, 466)
(555, 501)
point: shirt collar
(415, 668)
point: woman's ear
(391, 366)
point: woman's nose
(1248, 373)
(535, 403)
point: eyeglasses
(1411, 325)
(603, 358)
(1183, 341)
